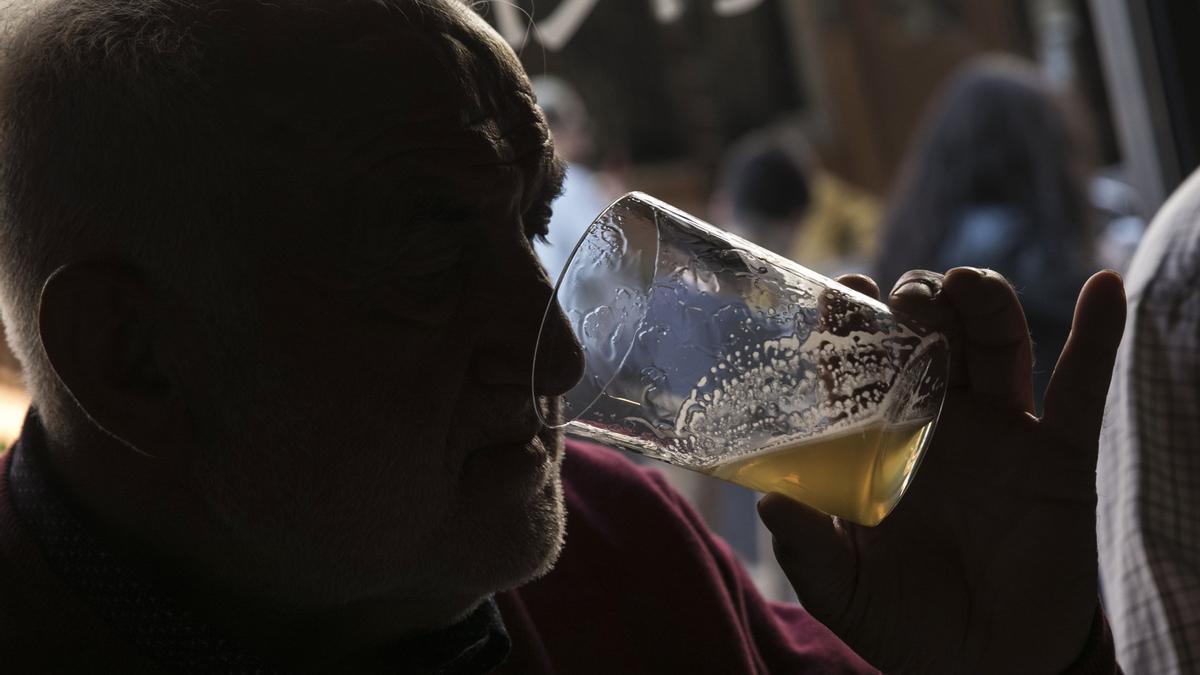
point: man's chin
(522, 547)
(552, 534)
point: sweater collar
(146, 614)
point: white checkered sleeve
(1149, 469)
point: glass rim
(635, 196)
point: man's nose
(506, 351)
(559, 362)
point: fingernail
(917, 288)
(976, 272)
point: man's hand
(988, 564)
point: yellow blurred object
(14, 399)
(839, 232)
(14, 402)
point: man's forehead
(449, 81)
(498, 105)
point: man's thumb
(818, 557)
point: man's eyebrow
(550, 187)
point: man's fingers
(861, 283)
(914, 296)
(917, 297)
(817, 557)
(1079, 385)
(996, 348)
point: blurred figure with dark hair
(763, 190)
(997, 179)
(772, 190)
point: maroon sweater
(642, 587)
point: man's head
(282, 250)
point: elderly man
(267, 266)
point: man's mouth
(511, 468)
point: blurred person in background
(1149, 467)
(772, 190)
(996, 179)
(763, 192)
(586, 191)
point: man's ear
(99, 326)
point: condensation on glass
(710, 353)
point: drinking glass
(713, 354)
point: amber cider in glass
(858, 474)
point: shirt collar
(146, 614)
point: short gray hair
(128, 132)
